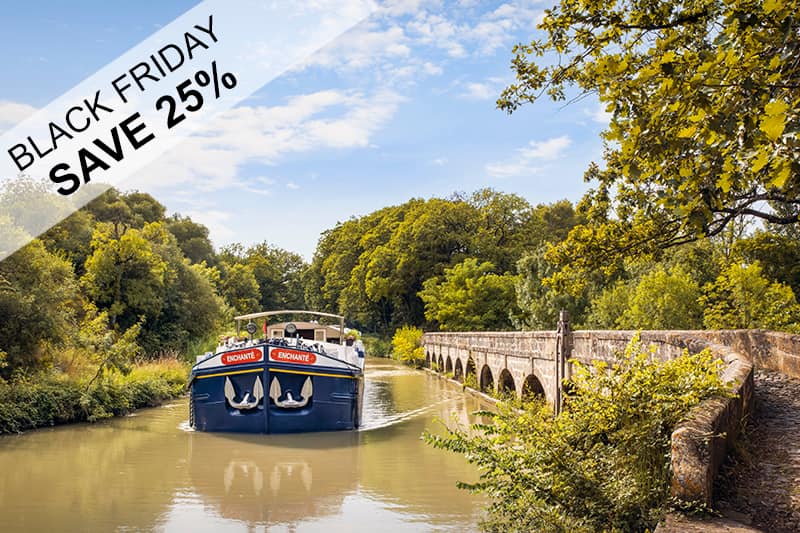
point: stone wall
(699, 444)
(766, 349)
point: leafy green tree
(39, 304)
(470, 297)
(125, 277)
(539, 303)
(778, 255)
(742, 298)
(608, 307)
(433, 235)
(72, 238)
(664, 300)
(372, 268)
(702, 259)
(107, 349)
(191, 308)
(704, 118)
(111, 207)
(192, 239)
(279, 275)
(240, 288)
(24, 201)
(504, 229)
(144, 208)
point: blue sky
(401, 106)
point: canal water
(150, 471)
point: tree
(504, 228)
(705, 115)
(778, 255)
(72, 237)
(111, 207)
(39, 304)
(372, 268)
(240, 288)
(742, 298)
(608, 307)
(540, 304)
(125, 277)
(144, 208)
(664, 300)
(191, 308)
(470, 297)
(192, 239)
(279, 275)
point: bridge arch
(532, 388)
(470, 370)
(505, 383)
(448, 365)
(440, 365)
(458, 371)
(427, 359)
(487, 380)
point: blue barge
(300, 376)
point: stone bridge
(531, 363)
(534, 363)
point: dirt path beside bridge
(760, 485)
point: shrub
(50, 399)
(471, 381)
(407, 346)
(377, 346)
(601, 465)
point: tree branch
(687, 18)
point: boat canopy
(266, 314)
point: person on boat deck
(350, 340)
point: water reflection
(143, 472)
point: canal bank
(52, 398)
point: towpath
(759, 489)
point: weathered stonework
(699, 445)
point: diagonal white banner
(149, 99)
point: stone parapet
(699, 444)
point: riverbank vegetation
(407, 346)
(101, 314)
(603, 464)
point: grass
(56, 397)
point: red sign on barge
(285, 355)
(239, 357)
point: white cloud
(292, 185)
(529, 158)
(477, 91)
(364, 46)
(392, 43)
(12, 113)
(440, 161)
(486, 90)
(547, 150)
(210, 159)
(599, 114)
(431, 69)
(438, 31)
(216, 221)
(492, 31)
